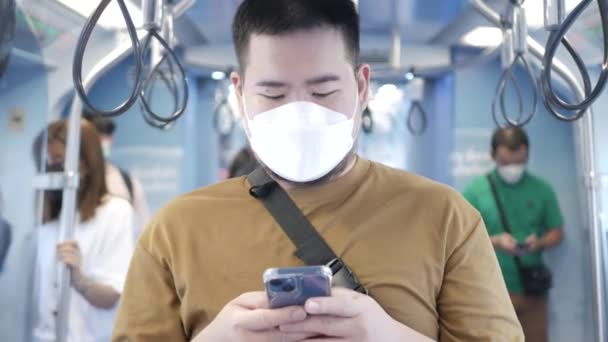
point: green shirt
(531, 207)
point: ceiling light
(218, 75)
(483, 36)
(112, 18)
(535, 12)
(387, 96)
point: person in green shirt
(533, 214)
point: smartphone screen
(294, 286)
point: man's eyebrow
(323, 79)
(271, 84)
(313, 81)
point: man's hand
(506, 242)
(249, 319)
(350, 316)
(533, 244)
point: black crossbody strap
(311, 248)
(126, 178)
(503, 217)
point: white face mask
(512, 174)
(301, 141)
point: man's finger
(342, 303)
(264, 319)
(252, 300)
(511, 245)
(330, 326)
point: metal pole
(69, 204)
(586, 152)
(153, 11)
(585, 147)
(181, 7)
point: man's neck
(343, 171)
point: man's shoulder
(427, 191)
(197, 202)
(540, 184)
(443, 209)
(232, 188)
(188, 215)
(478, 183)
(406, 179)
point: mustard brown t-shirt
(421, 250)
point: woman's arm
(99, 295)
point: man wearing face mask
(418, 247)
(120, 182)
(523, 218)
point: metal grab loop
(182, 77)
(523, 120)
(367, 121)
(555, 38)
(83, 41)
(417, 107)
(501, 91)
(162, 126)
(171, 85)
(515, 49)
(167, 79)
(223, 119)
(580, 64)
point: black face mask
(55, 197)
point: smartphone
(522, 248)
(294, 286)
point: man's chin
(333, 174)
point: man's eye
(277, 97)
(323, 95)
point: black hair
(104, 126)
(511, 137)
(277, 17)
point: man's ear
(237, 82)
(363, 81)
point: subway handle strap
(310, 245)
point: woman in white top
(99, 255)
